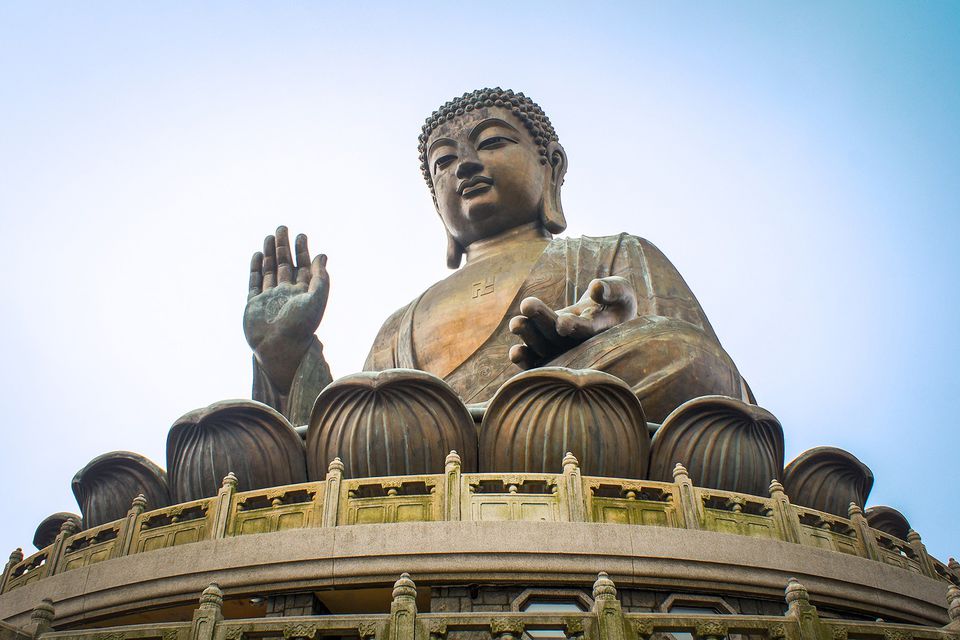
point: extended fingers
(256, 274)
(284, 259)
(269, 263)
(543, 317)
(521, 356)
(612, 290)
(573, 326)
(528, 332)
(303, 259)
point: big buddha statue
(518, 298)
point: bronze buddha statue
(523, 299)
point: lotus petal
(392, 422)
(888, 520)
(106, 487)
(723, 442)
(47, 530)
(539, 415)
(245, 437)
(828, 479)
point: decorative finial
(335, 465)
(679, 470)
(140, 502)
(953, 603)
(953, 564)
(570, 460)
(212, 596)
(796, 592)
(913, 537)
(229, 481)
(16, 555)
(69, 527)
(43, 612)
(854, 510)
(603, 588)
(453, 458)
(776, 487)
(404, 587)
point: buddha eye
(495, 142)
(442, 162)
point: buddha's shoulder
(616, 241)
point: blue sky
(798, 163)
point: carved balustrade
(563, 497)
(606, 621)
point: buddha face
(487, 175)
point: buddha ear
(552, 214)
(454, 252)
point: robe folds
(668, 354)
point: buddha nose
(469, 164)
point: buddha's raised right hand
(284, 306)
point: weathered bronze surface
(393, 422)
(724, 443)
(523, 299)
(249, 439)
(828, 479)
(889, 520)
(108, 484)
(540, 415)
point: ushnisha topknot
(526, 110)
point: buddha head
(492, 162)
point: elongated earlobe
(552, 215)
(454, 252)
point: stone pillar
(331, 494)
(403, 609)
(610, 620)
(223, 506)
(451, 487)
(572, 492)
(208, 615)
(799, 608)
(953, 607)
(688, 498)
(41, 620)
(787, 517)
(55, 561)
(926, 564)
(864, 532)
(16, 557)
(129, 526)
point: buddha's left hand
(546, 333)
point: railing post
(451, 487)
(864, 532)
(954, 566)
(331, 494)
(953, 608)
(129, 526)
(926, 564)
(787, 517)
(799, 608)
(208, 615)
(68, 528)
(610, 620)
(403, 609)
(688, 498)
(16, 557)
(41, 619)
(224, 505)
(572, 493)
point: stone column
(799, 608)
(864, 532)
(788, 520)
(451, 487)
(331, 494)
(926, 564)
(16, 557)
(223, 506)
(128, 528)
(953, 608)
(403, 609)
(572, 492)
(208, 615)
(688, 498)
(55, 561)
(610, 620)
